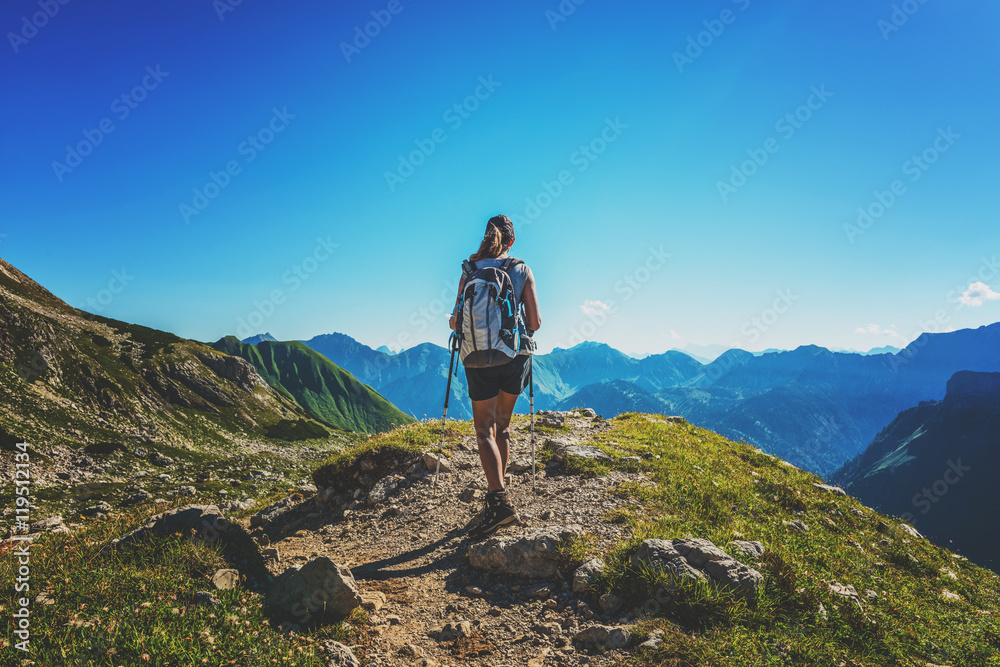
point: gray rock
(136, 498)
(732, 575)
(225, 580)
(317, 590)
(307, 490)
(204, 597)
(747, 549)
(200, 521)
(699, 551)
(831, 489)
(587, 574)
(52, 524)
(272, 512)
(606, 636)
(797, 526)
(534, 555)
(338, 655)
(384, 488)
(184, 491)
(562, 448)
(159, 460)
(610, 603)
(431, 462)
(661, 555)
(100, 508)
(590, 413)
(909, 530)
(550, 419)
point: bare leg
(504, 409)
(484, 419)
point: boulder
(52, 524)
(384, 488)
(338, 655)
(272, 512)
(431, 462)
(550, 419)
(747, 549)
(158, 459)
(136, 498)
(587, 574)
(797, 526)
(224, 580)
(201, 521)
(562, 448)
(661, 555)
(909, 530)
(730, 574)
(534, 555)
(589, 413)
(607, 636)
(320, 589)
(95, 510)
(831, 489)
(696, 559)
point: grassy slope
(319, 386)
(701, 485)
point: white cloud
(675, 335)
(877, 330)
(594, 307)
(977, 294)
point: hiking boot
(497, 513)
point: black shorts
(486, 383)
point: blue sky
(713, 157)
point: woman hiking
(496, 379)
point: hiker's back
(492, 326)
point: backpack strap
(468, 266)
(510, 263)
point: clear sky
(679, 173)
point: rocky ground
(405, 544)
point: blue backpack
(487, 319)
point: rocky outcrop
(199, 521)
(695, 559)
(534, 555)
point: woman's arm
(461, 287)
(529, 299)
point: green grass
(134, 607)
(702, 485)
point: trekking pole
(452, 342)
(531, 400)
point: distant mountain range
(812, 407)
(936, 466)
(260, 338)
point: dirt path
(411, 547)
